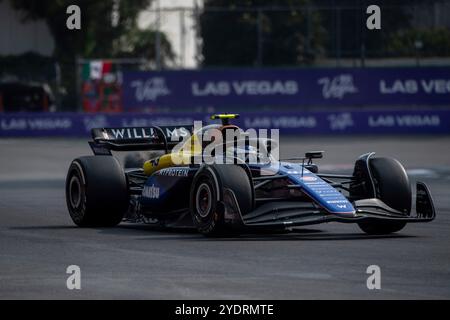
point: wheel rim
(203, 200)
(75, 192)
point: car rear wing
(163, 138)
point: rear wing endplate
(161, 138)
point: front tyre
(393, 188)
(206, 196)
(96, 191)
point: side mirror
(314, 155)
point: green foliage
(97, 37)
(435, 42)
(141, 44)
(231, 37)
(346, 29)
(291, 37)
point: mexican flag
(96, 69)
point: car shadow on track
(53, 227)
(156, 233)
(310, 237)
(124, 230)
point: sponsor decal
(248, 87)
(309, 178)
(337, 201)
(274, 87)
(337, 87)
(173, 172)
(37, 123)
(150, 192)
(131, 133)
(98, 121)
(415, 86)
(408, 120)
(150, 89)
(174, 134)
(340, 121)
(281, 122)
(154, 162)
(417, 121)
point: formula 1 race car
(254, 190)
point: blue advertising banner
(425, 121)
(287, 87)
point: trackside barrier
(423, 121)
(295, 87)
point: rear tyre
(207, 188)
(96, 191)
(393, 188)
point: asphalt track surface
(38, 240)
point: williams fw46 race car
(254, 190)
